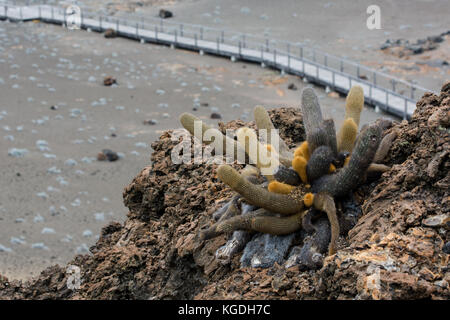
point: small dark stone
(216, 115)
(292, 86)
(110, 33)
(446, 248)
(436, 39)
(107, 155)
(53, 108)
(18, 174)
(113, 135)
(165, 14)
(416, 49)
(204, 104)
(150, 122)
(109, 81)
(385, 45)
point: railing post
(100, 19)
(275, 56)
(21, 14)
(334, 78)
(267, 45)
(405, 113)
(289, 62)
(393, 85)
(301, 53)
(40, 12)
(218, 45)
(64, 22)
(387, 99)
(370, 91)
(176, 37)
(317, 71)
(137, 29)
(81, 19)
(240, 49)
(262, 53)
(374, 78)
(342, 66)
(222, 35)
(314, 55)
(243, 40)
(201, 33)
(195, 40)
(161, 27)
(357, 71)
(117, 25)
(181, 30)
(156, 32)
(52, 13)
(326, 60)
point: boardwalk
(392, 95)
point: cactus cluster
(322, 169)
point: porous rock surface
(394, 251)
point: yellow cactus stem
(286, 161)
(378, 167)
(299, 165)
(346, 161)
(188, 121)
(263, 122)
(384, 147)
(347, 135)
(332, 168)
(324, 202)
(258, 196)
(302, 150)
(279, 187)
(260, 222)
(249, 171)
(308, 199)
(259, 154)
(354, 104)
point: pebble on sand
(107, 155)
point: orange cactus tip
(302, 150)
(279, 187)
(299, 165)
(308, 199)
(298, 152)
(346, 161)
(332, 168)
(269, 147)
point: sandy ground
(57, 196)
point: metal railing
(379, 88)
